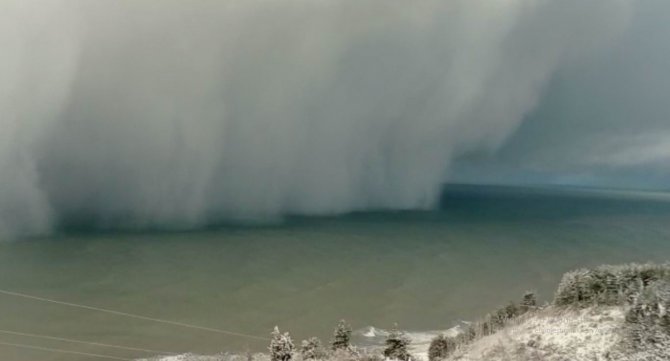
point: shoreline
(617, 313)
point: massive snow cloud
(180, 113)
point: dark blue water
(425, 270)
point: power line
(62, 339)
(47, 349)
(130, 315)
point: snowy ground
(550, 334)
(575, 335)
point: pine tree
(396, 345)
(281, 346)
(342, 336)
(529, 300)
(311, 349)
(441, 347)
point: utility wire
(62, 339)
(130, 315)
(47, 349)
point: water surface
(425, 270)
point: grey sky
(602, 122)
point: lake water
(424, 270)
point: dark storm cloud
(603, 121)
(177, 113)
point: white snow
(551, 334)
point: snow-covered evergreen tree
(342, 336)
(281, 346)
(529, 300)
(311, 349)
(396, 345)
(441, 347)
